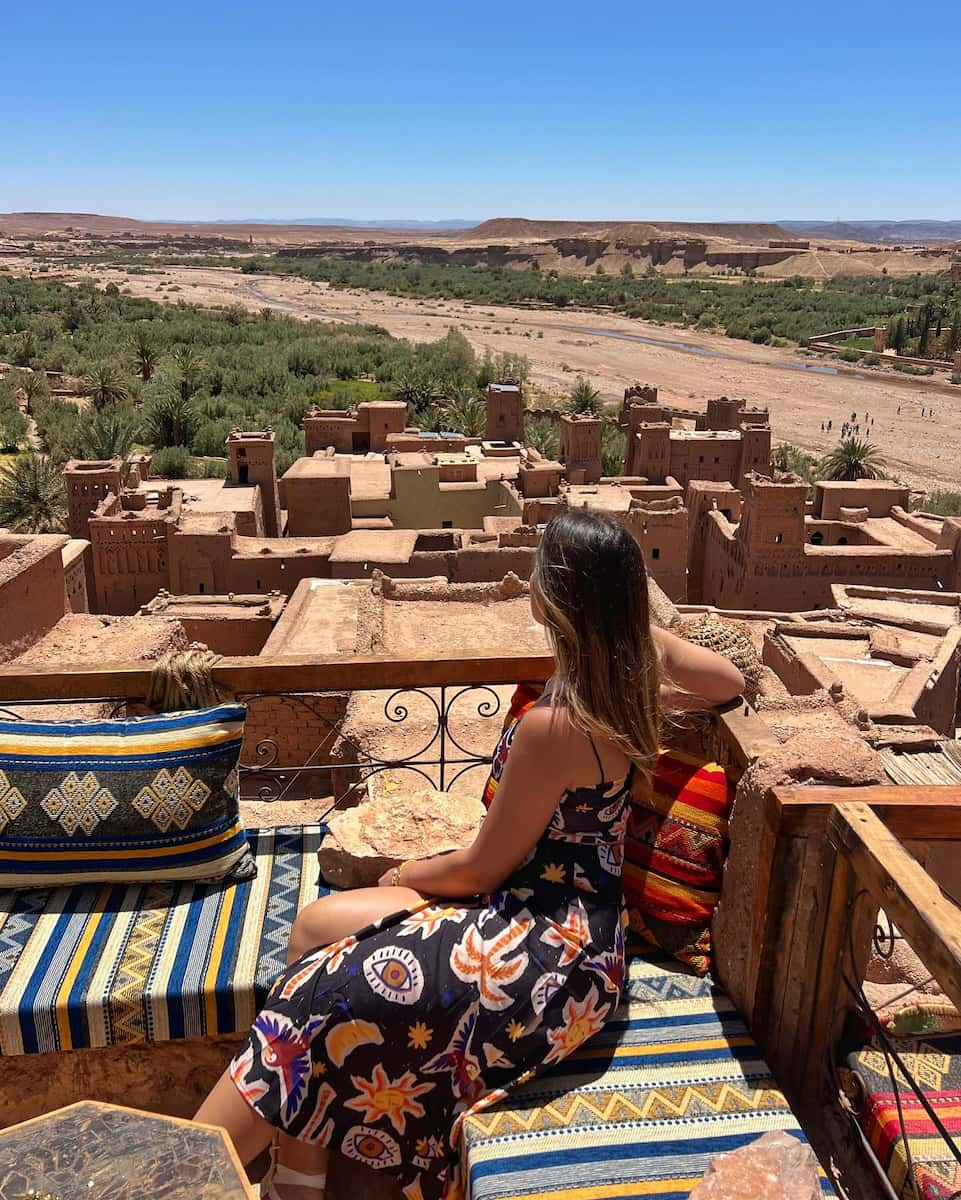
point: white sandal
(277, 1173)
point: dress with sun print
(377, 1046)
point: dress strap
(600, 765)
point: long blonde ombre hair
(591, 584)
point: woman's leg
(324, 921)
(343, 913)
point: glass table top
(93, 1151)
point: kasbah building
(384, 537)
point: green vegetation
(32, 495)
(584, 400)
(943, 504)
(758, 311)
(852, 459)
(613, 443)
(177, 375)
(792, 460)
(13, 424)
(544, 436)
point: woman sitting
(408, 1006)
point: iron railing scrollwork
(884, 938)
(440, 757)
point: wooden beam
(930, 813)
(297, 673)
(745, 731)
(900, 885)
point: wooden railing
(838, 879)
(307, 696)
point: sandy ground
(688, 367)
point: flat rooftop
(601, 497)
(318, 467)
(369, 478)
(708, 435)
(219, 608)
(375, 545)
(322, 617)
(89, 638)
(211, 495)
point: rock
(395, 824)
(775, 1167)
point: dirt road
(615, 351)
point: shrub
(172, 462)
(944, 504)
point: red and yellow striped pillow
(677, 840)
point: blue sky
(688, 110)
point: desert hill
(888, 232)
(515, 228)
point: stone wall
(33, 595)
(293, 731)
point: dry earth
(611, 350)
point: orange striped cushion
(674, 854)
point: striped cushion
(108, 964)
(114, 800)
(926, 1168)
(673, 1079)
(674, 855)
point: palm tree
(145, 354)
(584, 399)
(32, 496)
(170, 420)
(108, 432)
(467, 414)
(852, 459)
(791, 460)
(104, 385)
(189, 367)
(543, 435)
(26, 350)
(613, 442)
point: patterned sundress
(377, 1046)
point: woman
(400, 1015)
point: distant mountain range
(890, 232)
(454, 223)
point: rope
(183, 679)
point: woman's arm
(693, 676)
(534, 777)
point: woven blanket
(935, 1170)
(100, 965)
(673, 1080)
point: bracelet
(395, 880)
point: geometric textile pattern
(172, 799)
(150, 961)
(122, 800)
(674, 852)
(927, 1167)
(12, 802)
(78, 802)
(672, 1080)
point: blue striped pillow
(122, 800)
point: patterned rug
(672, 1081)
(102, 965)
(640, 1111)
